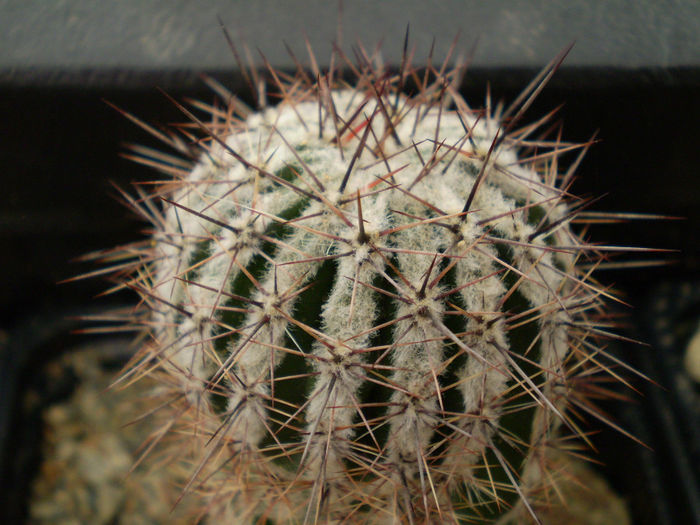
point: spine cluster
(367, 303)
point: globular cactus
(365, 303)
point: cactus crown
(364, 302)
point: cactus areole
(366, 303)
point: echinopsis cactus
(365, 303)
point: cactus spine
(364, 303)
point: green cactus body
(365, 308)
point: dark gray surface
(59, 41)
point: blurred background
(633, 76)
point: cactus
(365, 303)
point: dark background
(633, 75)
